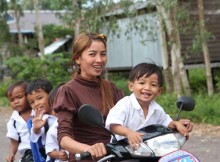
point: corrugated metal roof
(55, 45)
(27, 21)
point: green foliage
(121, 81)
(3, 88)
(4, 36)
(197, 80)
(53, 67)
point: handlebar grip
(82, 155)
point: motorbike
(157, 141)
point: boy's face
(18, 100)
(38, 101)
(145, 89)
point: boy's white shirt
(51, 141)
(22, 129)
(128, 113)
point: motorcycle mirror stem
(180, 109)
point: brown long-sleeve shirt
(68, 100)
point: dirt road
(204, 140)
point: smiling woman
(86, 87)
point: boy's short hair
(37, 84)
(146, 69)
(11, 87)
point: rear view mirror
(185, 103)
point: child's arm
(187, 123)
(133, 137)
(62, 155)
(12, 150)
(179, 126)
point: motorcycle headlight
(165, 144)
(141, 150)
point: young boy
(140, 109)
(37, 93)
(17, 125)
(38, 96)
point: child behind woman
(17, 130)
(51, 146)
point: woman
(86, 87)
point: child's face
(18, 100)
(145, 89)
(38, 101)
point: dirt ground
(204, 140)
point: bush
(54, 67)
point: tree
(40, 36)
(168, 11)
(205, 47)
(18, 13)
(164, 52)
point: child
(52, 148)
(17, 125)
(37, 93)
(139, 109)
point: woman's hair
(10, 89)
(146, 69)
(81, 43)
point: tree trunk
(177, 86)
(165, 57)
(40, 37)
(77, 21)
(17, 20)
(205, 49)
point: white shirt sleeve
(117, 114)
(34, 137)
(51, 139)
(11, 130)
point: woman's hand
(97, 151)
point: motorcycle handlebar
(82, 155)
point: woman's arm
(97, 150)
(69, 144)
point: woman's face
(92, 60)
